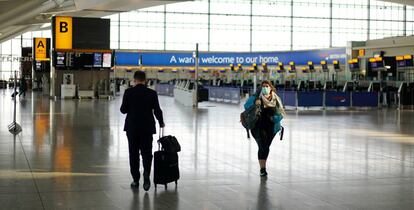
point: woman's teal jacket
(277, 117)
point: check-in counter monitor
(311, 66)
(336, 66)
(376, 64)
(353, 65)
(280, 67)
(409, 62)
(400, 61)
(292, 67)
(265, 69)
(324, 66)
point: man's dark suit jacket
(141, 104)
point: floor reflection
(263, 201)
(75, 154)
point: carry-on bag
(166, 169)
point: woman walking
(268, 124)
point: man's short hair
(140, 76)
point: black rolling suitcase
(166, 167)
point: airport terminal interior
(336, 76)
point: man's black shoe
(134, 185)
(147, 184)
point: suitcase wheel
(165, 186)
(176, 182)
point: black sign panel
(91, 33)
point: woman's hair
(270, 85)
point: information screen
(60, 59)
(38, 65)
(409, 62)
(91, 33)
(375, 65)
(401, 63)
(354, 66)
(97, 61)
(84, 60)
(107, 60)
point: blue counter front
(337, 99)
(309, 99)
(365, 99)
(288, 97)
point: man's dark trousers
(140, 143)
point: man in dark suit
(141, 104)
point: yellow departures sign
(41, 49)
(63, 31)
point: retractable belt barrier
(217, 94)
(290, 98)
(328, 99)
(224, 94)
(165, 89)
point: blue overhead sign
(225, 59)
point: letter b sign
(63, 27)
(63, 32)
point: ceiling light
(46, 25)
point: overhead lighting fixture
(46, 25)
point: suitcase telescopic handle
(161, 134)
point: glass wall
(270, 31)
(311, 22)
(246, 25)
(349, 21)
(185, 24)
(141, 29)
(386, 20)
(259, 25)
(12, 49)
(410, 20)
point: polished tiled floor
(73, 155)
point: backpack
(169, 144)
(250, 116)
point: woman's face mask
(266, 90)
